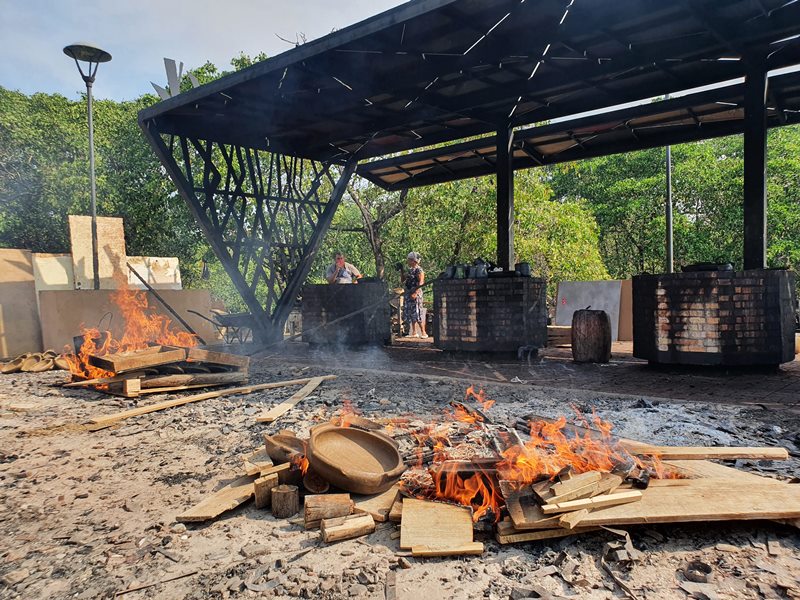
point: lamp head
(87, 52)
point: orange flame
(300, 461)
(144, 327)
(479, 397)
(346, 414)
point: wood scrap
(227, 498)
(435, 525)
(507, 534)
(396, 513)
(571, 520)
(122, 362)
(709, 453)
(325, 506)
(346, 528)
(108, 420)
(607, 483)
(575, 482)
(602, 501)
(285, 501)
(256, 462)
(470, 549)
(172, 381)
(378, 505)
(218, 358)
(262, 488)
(281, 409)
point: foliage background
(595, 219)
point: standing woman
(415, 278)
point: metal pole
(755, 164)
(668, 210)
(505, 198)
(95, 257)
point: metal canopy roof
(693, 117)
(434, 71)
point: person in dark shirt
(415, 278)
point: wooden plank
(277, 411)
(593, 503)
(470, 549)
(167, 381)
(123, 362)
(710, 453)
(708, 499)
(506, 534)
(435, 525)
(103, 380)
(377, 505)
(262, 488)
(223, 500)
(346, 528)
(571, 520)
(218, 358)
(256, 462)
(575, 482)
(396, 513)
(108, 420)
(526, 513)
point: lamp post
(93, 56)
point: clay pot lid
(364, 462)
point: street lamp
(82, 52)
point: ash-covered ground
(89, 514)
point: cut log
(346, 528)
(710, 453)
(396, 513)
(435, 525)
(262, 488)
(470, 549)
(602, 501)
(591, 336)
(281, 409)
(325, 506)
(184, 379)
(224, 499)
(377, 505)
(108, 420)
(571, 520)
(285, 501)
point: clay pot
(14, 366)
(283, 446)
(362, 462)
(30, 362)
(46, 364)
(61, 362)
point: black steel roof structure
(699, 116)
(262, 156)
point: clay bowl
(283, 446)
(362, 462)
(14, 366)
(46, 364)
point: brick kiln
(325, 303)
(715, 317)
(490, 314)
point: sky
(140, 33)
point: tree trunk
(591, 336)
(285, 501)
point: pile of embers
(530, 480)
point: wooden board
(526, 513)
(172, 381)
(281, 409)
(256, 462)
(470, 549)
(710, 453)
(602, 501)
(108, 420)
(124, 362)
(435, 525)
(218, 358)
(396, 513)
(506, 534)
(229, 497)
(377, 505)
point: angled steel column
(755, 164)
(505, 198)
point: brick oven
(489, 314)
(325, 303)
(715, 317)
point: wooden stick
(325, 506)
(345, 528)
(285, 501)
(469, 549)
(575, 482)
(571, 520)
(709, 453)
(592, 503)
(281, 409)
(109, 420)
(263, 490)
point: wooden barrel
(591, 336)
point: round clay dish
(363, 462)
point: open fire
(467, 467)
(144, 327)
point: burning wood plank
(602, 501)
(123, 362)
(434, 525)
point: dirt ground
(91, 514)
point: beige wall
(64, 313)
(19, 320)
(53, 271)
(162, 273)
(110, 251)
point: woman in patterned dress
(415, 278)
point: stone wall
(489, 315)
(715, 317)
(324, 303)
